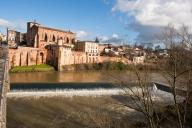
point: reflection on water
(59, 86)
(83, 76)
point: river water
(80, 77)
(84, 83)
(94, 82)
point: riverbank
(32, 68)
(106, 66)
(110, 66)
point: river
(73, 102)
(80, 77)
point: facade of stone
(90, 48)
(39, 36)
(62, 54)
(54, 47)
(26, 56)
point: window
(67, 40)
(73, 40)
(45, 38)
(41, 57)
(53, 38)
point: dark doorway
(41, 57)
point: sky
(118, 21)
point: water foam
(64, 92)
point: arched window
(73, 40)
(20, 59)
(53, 38)
(45, 38)
(67, 40)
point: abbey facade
(44, 45)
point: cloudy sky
(110, 20)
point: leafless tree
(177, 67)
(138, 96)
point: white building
(138, 59)
(3, 38)
(91, 49)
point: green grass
(32, 68)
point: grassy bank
(32, 68)
(109, 66)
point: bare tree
(176, 69)
(138, 96)
(177, 65)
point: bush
(96, 66)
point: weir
(4, 84)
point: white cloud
(19, 25)
(115, 36)
(103, 38)
(82, 34)
(4, 23)
(157, 13)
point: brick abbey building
(49, 45)
(39, 36)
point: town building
(102, 47)
(91, 49)
(52, 46)
(13, 38)
(39, 36)
(61, 54)
(162, 53)
(138, 59)
(59, 48)
(3, 38)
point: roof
(11, 30)
(49, 28)
(86, 42)
(137, 49)
(104, 44)
(54, 29)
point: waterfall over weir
(159, 93)
(62, 89)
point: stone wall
(26, 56)
(61, 55)
(5, 86)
